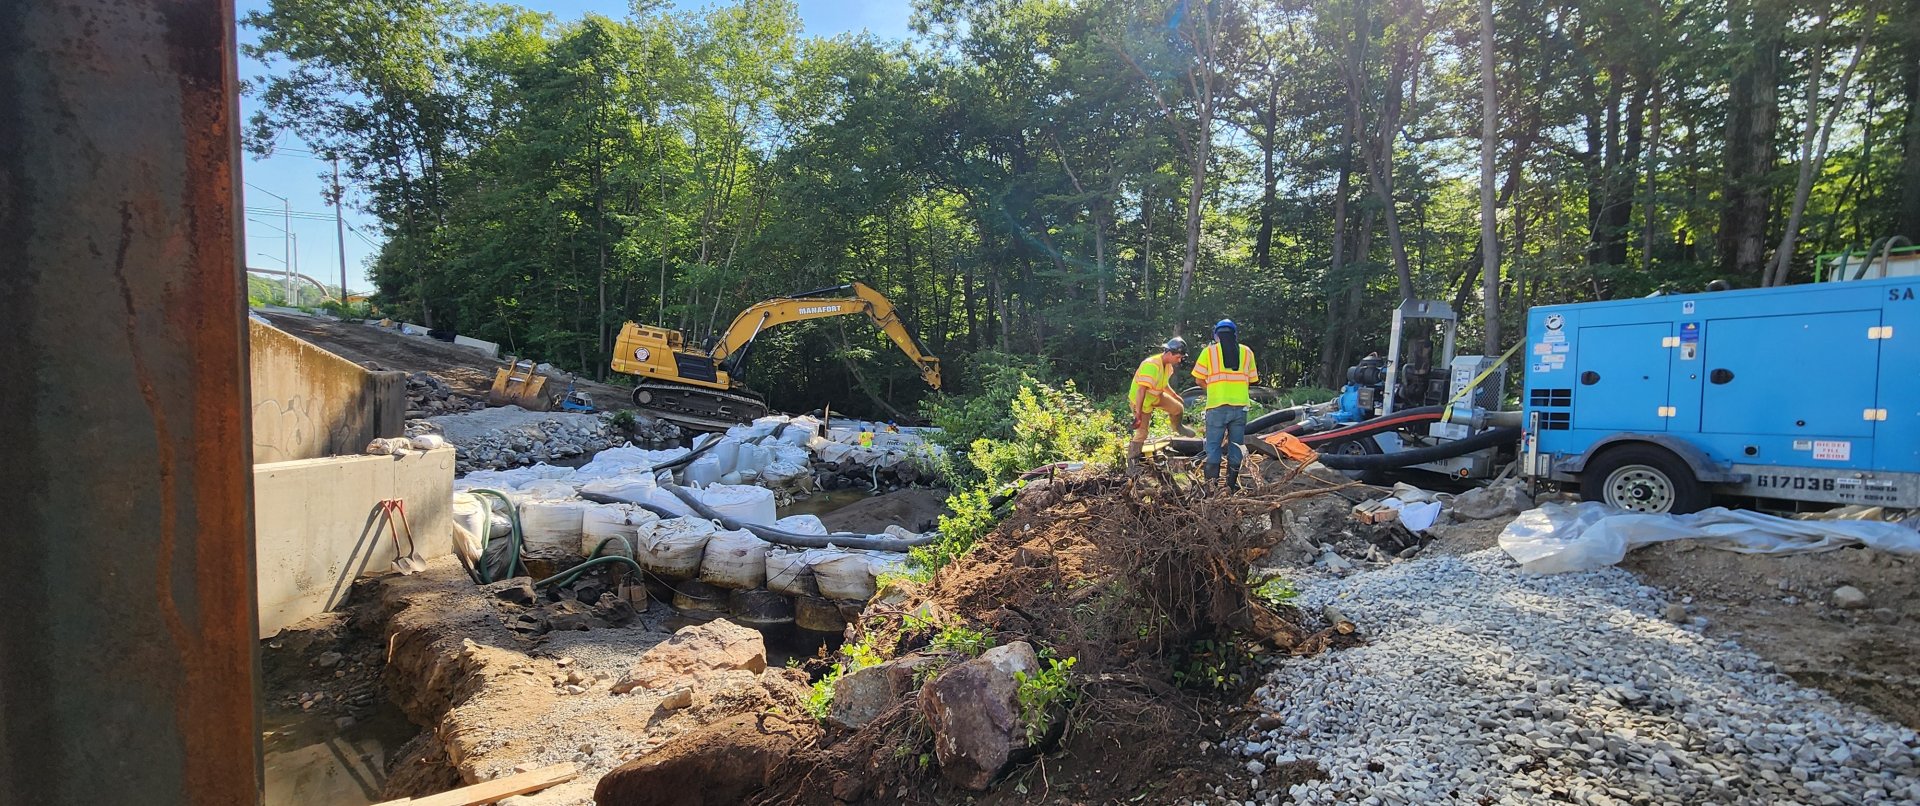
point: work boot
(1182, 429)
(1233, 481)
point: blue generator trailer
(1807, 393)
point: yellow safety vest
(1225, 387)
(1149, 379)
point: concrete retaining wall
(309, 403)
(317, 526)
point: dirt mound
(914, 509)
(1143, 583)
(1784, 609)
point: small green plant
(1041, 692)
(857, 656)
(957, 638)
(1214, 665)
(622, 419)
(1276, 591)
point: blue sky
(302, 179)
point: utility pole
(286, 240)
(1489, 234)
(339, 231)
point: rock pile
(510, 436)
(1484, 684)
(427, 396)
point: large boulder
(863, 695)
(1497, 500)
(719, 763)
(974, 712)
(695, 653)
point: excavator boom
(748, 325)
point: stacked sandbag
(552, 525)
(790, 571)
(735, 559)
(605, 522)
(801, 525)
(673, 548)
(742, 503)
(636, 486)
(843, 574)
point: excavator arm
(732, 346)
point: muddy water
(823, 503)
(309, 760)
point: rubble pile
(510, 436)
(428, 396)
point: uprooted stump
(1141, 581)
(720, 763)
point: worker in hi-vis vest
(1225, 369)
(1152, 388)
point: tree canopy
(1079, 179)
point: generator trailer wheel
(1643, 478)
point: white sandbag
(427, 442)
(546, 490)
(552, 524)
(543, 470)
(834, 451)
(800, 431)
(862, 457)
(735, 559)
(703, 471)
(791, 454)
(782, 474)
(772, 420)
(395, 446)
(636, 486)
(730, 480)
(790, 571)
(741, 502)
(473, 524)
(662, 498)
(727, 453)
(842, 574)
(753, 458)
(881, 563)
(605, 521)
(672, 549)
(801, 525)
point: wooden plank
(496, 789)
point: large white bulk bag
(782, 474)
(753, 458)
(663, 498)
(635, 486)
(791, 454)
(886, 562)
(672, 549)
(741, 502)
(834, 451)
(801, 525)
(543, 470)
(790, 571)
(703, 471)
(472, 523)
(727, 453)
(842, 574)
(552, 524)
(546, 490)
(604, 521)
(772, 420)
(735, 559)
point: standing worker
(1225, 369)
(1153, 389)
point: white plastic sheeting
(1556, 538)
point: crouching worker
(1152, 389)
(1226, 370)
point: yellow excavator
(698, 386)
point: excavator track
(696, 408)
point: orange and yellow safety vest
(1225, 387)
(1151, 378)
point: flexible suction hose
(845, 540)
(1448, 450)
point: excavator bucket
(516, 384)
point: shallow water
(310, 761)
(823, 503)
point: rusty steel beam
(128, 663)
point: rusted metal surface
(127, 653)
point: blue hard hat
(1226, 324)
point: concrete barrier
(309, 403)
(487, 348)
(317, 526)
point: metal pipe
(131, 676)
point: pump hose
(1191, 446)
(1415, 456)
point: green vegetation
(1276, 591)
(1040, 693)
(959, 639)
(1080, 180)
(1213, 665)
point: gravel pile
(1485, 685)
